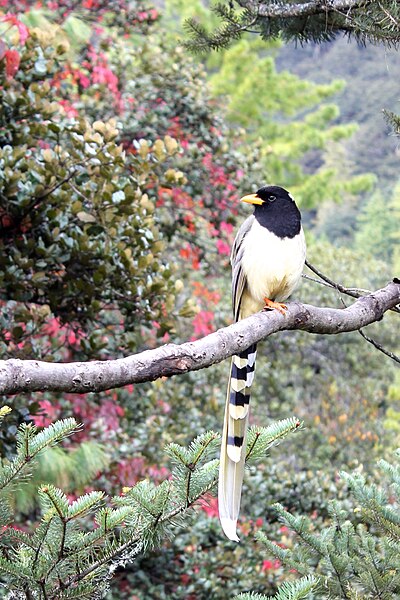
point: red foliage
(202, 291)
(102, 74)
(226, 228)
(48, 413)
(182, 199)
(163, 194)
(12, 59)
(69, 110)
(121, 8)
(15, 22)
(283, 529)
(218, 176)
(106, 412)
(68, 335)
(128, 471)
(209, 504)
(192, 254)
(203, 324)
(149, 15)
(223, 247)
(175, 130)
(269, 565)
(93, 71)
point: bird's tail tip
(229, 528)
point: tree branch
(278, 10)
(172, 359)
(353, 292)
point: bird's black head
(267, 195)
(275, 209)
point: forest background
(123, 157)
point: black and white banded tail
(233, 449)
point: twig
(353, 292)
(379, 346)
(374, 343)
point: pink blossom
(226, 227)
(83, 79)
(223, 247)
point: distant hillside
(372, 76)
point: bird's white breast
(272, 267)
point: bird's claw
(270, 305)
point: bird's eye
(272, 198)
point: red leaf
(223, 247)
(23, 32)
(12, 62)
(22, 29)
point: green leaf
(86, 217)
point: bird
(267, 260)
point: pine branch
(393, 119)
(27, 376)
(234, 24)
(350, 560)
(297, 590)
(316, 20)
(260, 439)
(60, 559)
(30, 444)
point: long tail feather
(233, 449)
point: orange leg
(270, 304)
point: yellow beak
(251, 199)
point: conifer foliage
(313, 21)
(76, 546)
(358, 554)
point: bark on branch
(172, 359)
(307, 9)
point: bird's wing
(238, 276)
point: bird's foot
(270, 305)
